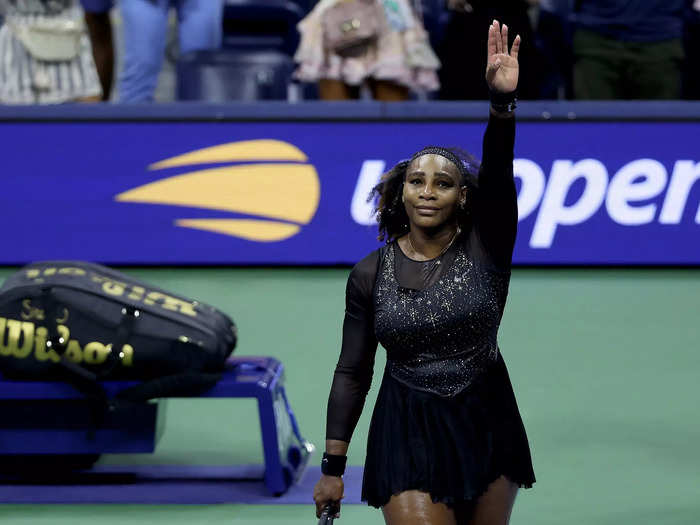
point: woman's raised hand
(501, 66)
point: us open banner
(295, 192)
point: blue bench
(54, 418)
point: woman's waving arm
(496, 213)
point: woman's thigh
(388, 91)
(413, 507)
(494, 506)
(331, 89)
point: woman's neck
(426, 244)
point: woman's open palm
(501, 66)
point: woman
(394, 61)
(45, 54)
(446, 443)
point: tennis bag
(82, 322)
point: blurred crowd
(56, 51)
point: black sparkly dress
(446, 420)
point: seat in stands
(263, 24)
(223, 75)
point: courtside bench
(55, 418)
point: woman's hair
(390, 210)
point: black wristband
(503, 102)
(332, 465)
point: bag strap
(126, 327)
(72, 373)
(88, 383)
(55, 340)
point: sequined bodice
(441, 338)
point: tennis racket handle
(328, 514)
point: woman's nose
(427, 191)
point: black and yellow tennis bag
(84, 322)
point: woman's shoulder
(367, 266)
(364, 273)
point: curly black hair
(390, 211)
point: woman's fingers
(497, 31)
(491, 48)
(515, 48)
(498, 41)
(328, 490)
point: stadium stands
(263, 24)
(255, 63)
(241, 74)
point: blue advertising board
(294, 192)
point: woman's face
(432, 191)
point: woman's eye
(444, 184)
(414, 181)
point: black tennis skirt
(452, 448)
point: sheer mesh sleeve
(353, 373)
(496, 217)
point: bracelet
(503, 102)
(333, 465)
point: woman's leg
(330, 89)
(145, 24)
(413, 507)
(100, 31)
(89, 100)
(388, 91)
(200, 24)
(494, 506)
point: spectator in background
(628, 49)
(460, 76)
(100, 31)
(45, 54)
(691, 41)
(145, 24)
(553, 34)
(393, 60)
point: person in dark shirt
(628, 49)
(462, 69)
(553, 33)
(446, 443)
(691, 44)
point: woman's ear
(463, 196)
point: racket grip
(328, 514)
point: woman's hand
(501, 66)
(328, 489)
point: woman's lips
(426, 210)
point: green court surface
(605, 365)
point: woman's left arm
(496, 210)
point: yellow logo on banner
(281, 196)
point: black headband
(466, 168)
